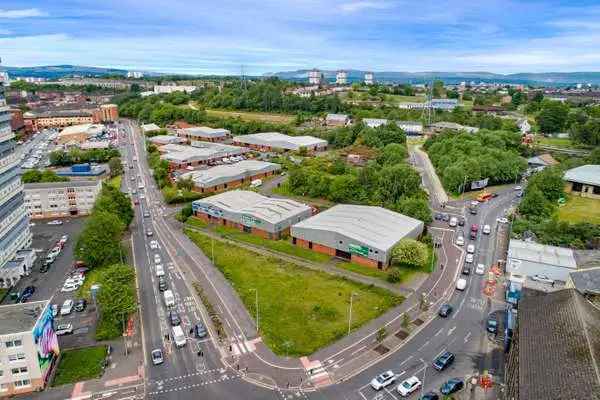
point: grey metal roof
(60, 185)
(541, 253)
(588, 174)
(587, 280)
(273, 210)
(165, 139)
(279, 140)
(230, 172)
(20, 317)
(150, 127)
(375, 226)
(199, 151)
(205, 131)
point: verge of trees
(41, 176)
(76, 156)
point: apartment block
(61, 199)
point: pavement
(241, 366)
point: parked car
(157, 356)
(80, 305)
(438, 216)
(445, 217)
(66, 307)
(45, 267)
(452, 386)
(502, 220)
(445, 310)
(453, 222)
(383, 380)
(157, 259)
(160, 271)
(492, 324)
(146, 214)
(54, 308)
(487, 229)
(443, 361)
(26, 294)
(174, 318)
(430, 396)
(64, 329)
(460, 241)
(200, 330)
(480, 269)
(542, 279)
(409, 386)
(55, 222)
(461, 222)
(149, 233)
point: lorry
(179, 336)
(169, 298)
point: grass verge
(300, 310)
(79, 365)
(580, 209)
(253, 116)
(115, 182)
(360, 269)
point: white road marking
(438, 332)
(467, 337)
(451, 330)
(357, 350)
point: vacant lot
(80, 365)
(300, 310)
(253, 116)
(580, 209)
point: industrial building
(251, 212)
(28, 347)
(530, 259)
(583, 181)
(78, 134)
(199, 153)
(362, 234)
(228, 176)
(204, 133)
(275, 141)
(337, 119)
(161, 140)
(409, 127)
(61, 199)
(149, 128)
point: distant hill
(60, 71)
(546, 78)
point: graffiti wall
(46, 342)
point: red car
(474, 228)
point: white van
(179, 336)
(160, 271)
(169, 298)
(256, 183)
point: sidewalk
(438, 192)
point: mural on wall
(46, 341)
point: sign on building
(250, 221)
(479, 184)
(359, 250)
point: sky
(219, 37)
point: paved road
(185, 375)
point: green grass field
(300, 310)
(253, 116)
(79, 365)
(580, 209)
(285, 191)
(556, 142)
(360, 269)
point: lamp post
(350, 312)
(256, 299)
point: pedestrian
(442, 266)
(191, 331)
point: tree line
(42, 176)
(77, 156)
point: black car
(443, 361)
(452, 386)
(26, 294)
(80, 305)
(430, 396)
(466, 269)
(461, 222)
(438, 216)
(445, 310)
(45, 267)
(200, 331)
(162, 284)
(492, 324)
(174, 318)
(445, 217)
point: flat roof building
(28, 347)
(77, 134)
(228, 176)
(409, 127)
(275, 141)
(199, 153)
(337, 119)
(583, 181)
(61, 199)
(204, 133)
(149, 128)
(161, 140)
(531, 259)
(251, 212)
(362, 234)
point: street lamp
(350, 312)
(256, 292)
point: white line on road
(440, 353)
(357, 350)
(438, 332)
(467, 337)
(406, 360)
(451, 330)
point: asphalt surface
(214, 375)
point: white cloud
(355, 6)
(5, 32)
(22, 13)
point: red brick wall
(367, 262)
(319, 248)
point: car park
(480, 269)
(157, 356)
(469, 258)
(174, 318)
(487, 229)
(492, 324)
(452, 386)
(443, 361)
(460, 241)
(471, 249)
(383, 380)
(445, 310)
(64, 329)
(66, 307)
(409, 386)
(200, 330)
(461, 284)
(430, 396)
(80, 305)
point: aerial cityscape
(341, 199)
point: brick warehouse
(228, 176)
(251, 212)
(275, 141)
(362, 234)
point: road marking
(440, 353)
(438, 332)
(451, 330)
(358, 350)
(423, 346)
(467, 337)
(405, 360)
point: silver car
(157, 356)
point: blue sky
(209, 36)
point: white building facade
(341, 78)
(61, 199)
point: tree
(112, 200)
(549, 182)
(396, 181)
(534, 204)
(116, 298)
(410, 252)
(553, 116)
(185, 183)
(115, 166)
(392, 153)
(438, 88)
(37, 176)
(100, 240)
(518, 98)
(415, 208)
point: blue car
(452, 386)
(26, 294)
(443, 361)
